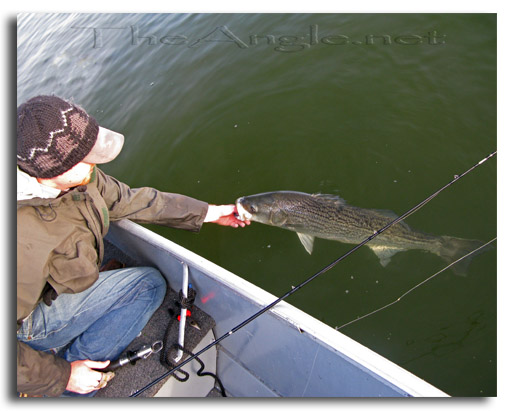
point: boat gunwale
(361, 356)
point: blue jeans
(100, 322)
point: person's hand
(83, 379)
(224, 215)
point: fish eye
(253, 209)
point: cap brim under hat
(107, 147)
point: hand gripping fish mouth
(243, 213)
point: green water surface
(380, 109)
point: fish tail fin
(453, 248)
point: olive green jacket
(60, 242)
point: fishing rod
(314, 276)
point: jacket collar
(27, 188)
(39, 200)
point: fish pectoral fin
(384, 253)
(307, 241)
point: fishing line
(314, 276)
(416, 286)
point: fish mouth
(243, 214)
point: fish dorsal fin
(307, 241)
(384, 253)
(330, 198)
(391, 216)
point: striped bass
(330, 217)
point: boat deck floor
(163, 326)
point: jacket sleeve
(150, 206)
(41, 373)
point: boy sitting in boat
(73, 318)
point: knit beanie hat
(53, 136)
